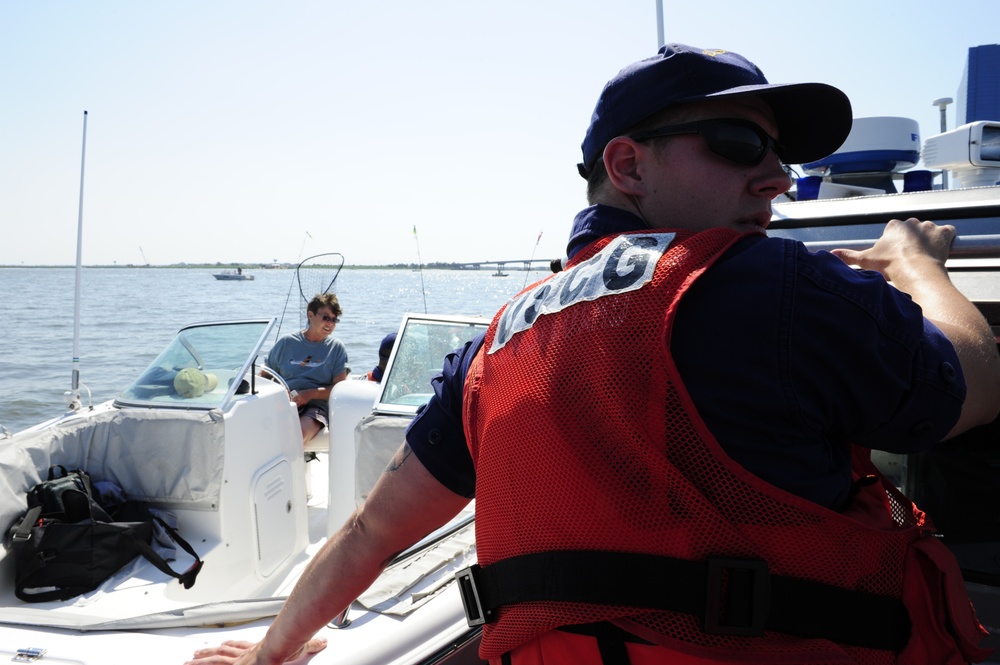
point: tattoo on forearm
(396, 462)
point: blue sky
(252, 131)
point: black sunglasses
(330, 319)
(737, 140)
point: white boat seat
(319, 443)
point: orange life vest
(585, 439)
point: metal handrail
(341, 620)
(966, 247)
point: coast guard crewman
(661, 438)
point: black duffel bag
(68, 544)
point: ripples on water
(129, 315)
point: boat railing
(965, 247)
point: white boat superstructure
(228, 463)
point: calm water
(128, 316)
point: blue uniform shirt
(788, 356)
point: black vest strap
(731, 596)
(610, 640)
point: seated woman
(311, 362)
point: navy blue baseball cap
(389, 341)
(813, 119)
(384, 351)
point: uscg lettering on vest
(626, 264)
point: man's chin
(750, 227)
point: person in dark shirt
(384, 351)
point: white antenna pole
(942, 104)
(420, 266)
(73, 397)
(660, 39)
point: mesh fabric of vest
(584, 438)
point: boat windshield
(423, 342)
(203, 367)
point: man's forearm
(911, 254)
(966, 328)
(343, 568)
(406, 504)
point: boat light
(971, 152)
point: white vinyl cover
(176, 462)
(376, 440)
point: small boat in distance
(233, 275)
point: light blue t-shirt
(304, 364)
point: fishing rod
(73, 395)
(420, 267)
(308, 236)
(528, 271)
(298, 262)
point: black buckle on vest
(475, 613)
(738, 597)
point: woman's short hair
(321, 300)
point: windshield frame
(245, 366)
(386, 402)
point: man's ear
(622, 160)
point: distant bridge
(509, 264)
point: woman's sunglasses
(737, 140)
(330, 319)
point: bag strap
(188, 577)
(62, 472)
(731, 596)
(57, 471)
(23, 531)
